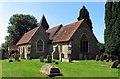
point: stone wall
(92, 42)
(40, 35)
(23, 51)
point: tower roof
(44, 23)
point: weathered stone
(107, 60)
(56, 63)
(97, 58)
(66, 59)
(19, 60)
(85, 57)
(53, 61)
(105, 57)
(80, 56)
(50, 70)
(101, 57)
(16, 57)
(115, 64)
(10, 61)
(49, 58)
(41, 59)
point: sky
(55, 12)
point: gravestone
(56, 63)
(101, 57)
(107, 60)
(115, 64)
(97, 58)
(10, 61)
(80, 56)
(41, 59)
(49, 58)
(16, 57)
(85, 57)
(53, 61)
(66, 59)
(50, 70)
(70, 59)
(105, 57)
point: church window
(40, 45)
(84, 44)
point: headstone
(97, 58)
(10, 61)
(16, 57)
(70, 60)
(115, 64)
(56, 63)
(18, 60)
(105, 57)
(101, 57)
(41, 59)
(66, 60)
(53, 61)
(28, 57)
(89, 57)
(49, 58)
(80, 56)
(85, 57)
(107, 60)
(50, 70)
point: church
(74, 40)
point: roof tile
(66, 32)
(53, 31)
(27, 36)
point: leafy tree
(101, 47)
(84, 14)
(112, 30)
(18, 25)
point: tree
(84, 14)
(101, 47)
(18, 25)
(112, 30)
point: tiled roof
(27, 36)
(52, 31)
(66, 32)
(12, 47)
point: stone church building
(75, 41)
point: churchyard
(81, 68)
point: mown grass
(83, 68)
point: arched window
(40, 45)
(84, 44)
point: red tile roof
(27, 36)
(12, 47)
(66, 32)
(53, 31)
(57, 34)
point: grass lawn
(83, 68)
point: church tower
(44, 23)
